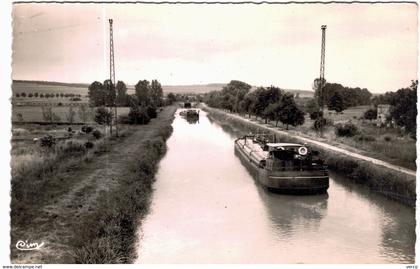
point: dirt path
(53, 225)
(325, 145)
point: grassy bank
(111, 230)
(391, 183)
(86, 207)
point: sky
(371, 46)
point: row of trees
(143, 104)
(338, 97)
(48, 114)
(269, 103)
(47, 95)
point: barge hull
(294, 182)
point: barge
(191, 115)
(283, 167)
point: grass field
(34, 113)
(30, 87)
(389, 144)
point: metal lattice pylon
(322, 73)
(112, 70)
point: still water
(207, 208)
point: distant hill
(52, 83)
(198, 88)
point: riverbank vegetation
(269, 103)
(391, 183)
(69, 167)
(350, 122)
(109, 234)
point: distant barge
(283, 167)
(190, 113)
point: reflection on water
(207, 208)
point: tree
(273, 111)
(23, 94)
(246, 105)
(36, 95)
(83, 113)
(30, 95)
(110, 93)
(121, 93)
(404, 107)
(233, 93)
(103, 116)
(171, 98)
(290, 114)
(312, 108)
(156, 93)
(142, 89)
(97, 94)
(351, 96)
(138, 115)
(19, 117)
(370, 114)
(70, 115)
(265, 97)
(48, 115)
(336, 102)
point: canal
(207, 208)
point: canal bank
(102, 200)
(394, 182)
(207, 208)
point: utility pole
(112, 74)
(322, 78)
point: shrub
(60, 104)
(138, 115)
(151, 112)
(19, 117)
(47, 141)
(103, 116)
(87, 129)
(69, 130)
(347, 129)
(320, 123)
(97, 134)
(73, 146)
(17, 95)
(370, 114)
(314, 115)
(124, 119)
(366, 138)
(387, 138)
(89, 145)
